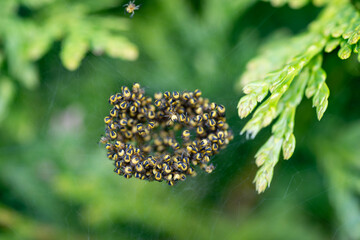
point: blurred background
(55, 179)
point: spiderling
(131, 7)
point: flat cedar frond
(288, 70)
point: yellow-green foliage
(289, 69)
(296, 3)
(340, 163)
(54, 177)
(29, 28)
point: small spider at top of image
(131, 7)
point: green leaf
(356, 48)
(246, 105)
(120, 47)
(7, 91)
(289, 147)
(38, 41)
(19, 67)
(340, 163)
(354, 38)
(320, 100)
(270, 157)
(74, 49)
(36, 3)
(7, 7)
(345, 51)
(316, 78)
(332, 44)
(1, 59)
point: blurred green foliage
(29, 28)
(341, 165)
(56, 182)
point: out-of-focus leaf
(74, 49)
(38, 41)
(7, 7)
(119, 47)
(20, 67)
(93, 6)
(7, 91)
(111, 22)
(1, 59)
(27, 38)
(36, 3)
(340, 162)
(345, 51)
(14, 225)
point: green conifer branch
(287, 70)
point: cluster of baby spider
(143, 139)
